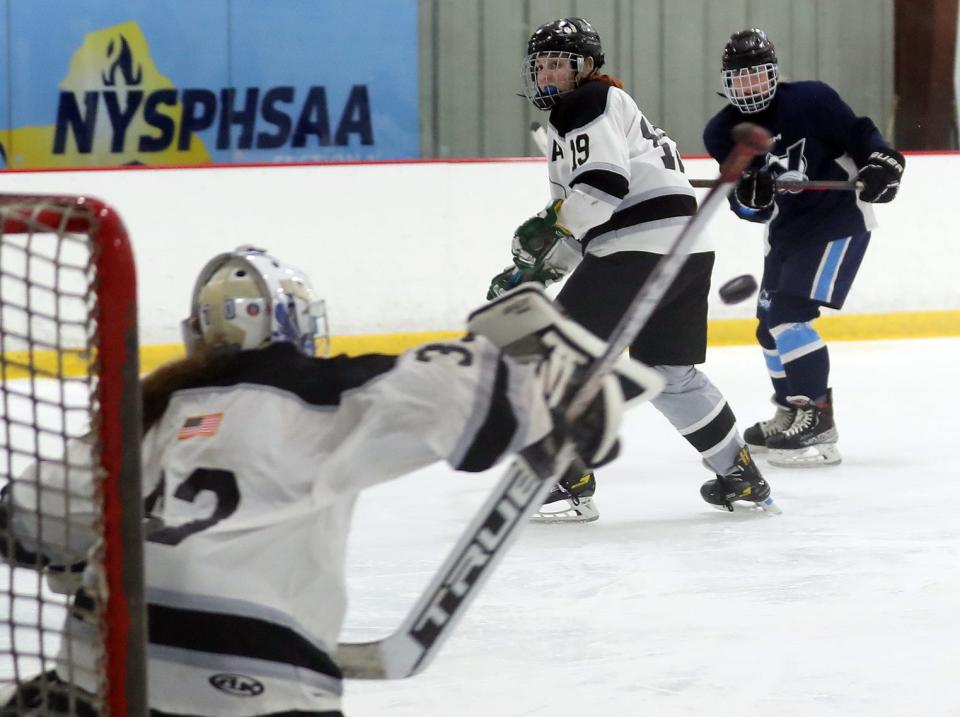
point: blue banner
(177, 82)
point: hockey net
(71, 573)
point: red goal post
(69, 350)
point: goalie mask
(750, 71)
(247, 299)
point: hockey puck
(739, 288)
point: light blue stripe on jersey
(795, 340)
(774, 364)
(829, 268)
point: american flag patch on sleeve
(194, 426)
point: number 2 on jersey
(223, 485)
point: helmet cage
(751, 89)
(247, 299)
(545, 98)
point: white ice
(847, 604)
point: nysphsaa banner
(245, 81)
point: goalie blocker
(527, 326)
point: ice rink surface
(847, 604)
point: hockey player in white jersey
(619, 198)
(254, 452)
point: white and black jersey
(626, 199)
(621, 177)
(251, 480)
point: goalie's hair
(199, 368)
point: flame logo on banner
(99, 117)
(124, 63)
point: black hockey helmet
(750, 72)
(748, 48)
(570, 34)
(570, 39)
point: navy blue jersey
(817, 136)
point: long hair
(196, 369)
(608, 79)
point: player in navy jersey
(619, 199)
(815, 240)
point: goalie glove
(596, 430)
(527, 326)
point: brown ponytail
(608, 79)
(193, 370)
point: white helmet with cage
(247, 299)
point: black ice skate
(756, 436)
(743, 483)
(571, 500)
(811, 440)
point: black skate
(571, 499)
(743, 483)
(757, 435)
(811, 440)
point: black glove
(881, 176)
(755, 189)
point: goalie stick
(531, 475)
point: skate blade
(824, 454)
(769, 506)
(584, 512)
(747, 506)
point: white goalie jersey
(250, 481)
(621, 177)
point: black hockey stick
(806, 185)
(410, 648)
(539, 136)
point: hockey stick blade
(409, 649)
(531, 475)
